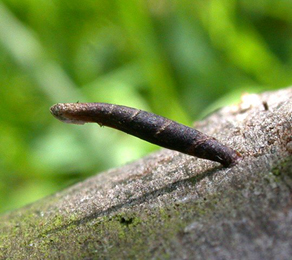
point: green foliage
(174, 58)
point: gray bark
(173, 206)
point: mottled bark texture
(173, 206)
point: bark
(173, 206)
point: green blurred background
(179, 59)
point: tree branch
(171, 205)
